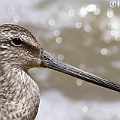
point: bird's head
(18, 47)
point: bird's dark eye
(17, 42)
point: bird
(19, 93)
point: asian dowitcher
(19, 94)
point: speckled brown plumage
(19, 94)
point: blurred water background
(85, 34)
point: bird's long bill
(50, 62)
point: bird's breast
(19, 96)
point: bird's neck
(19, 94)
